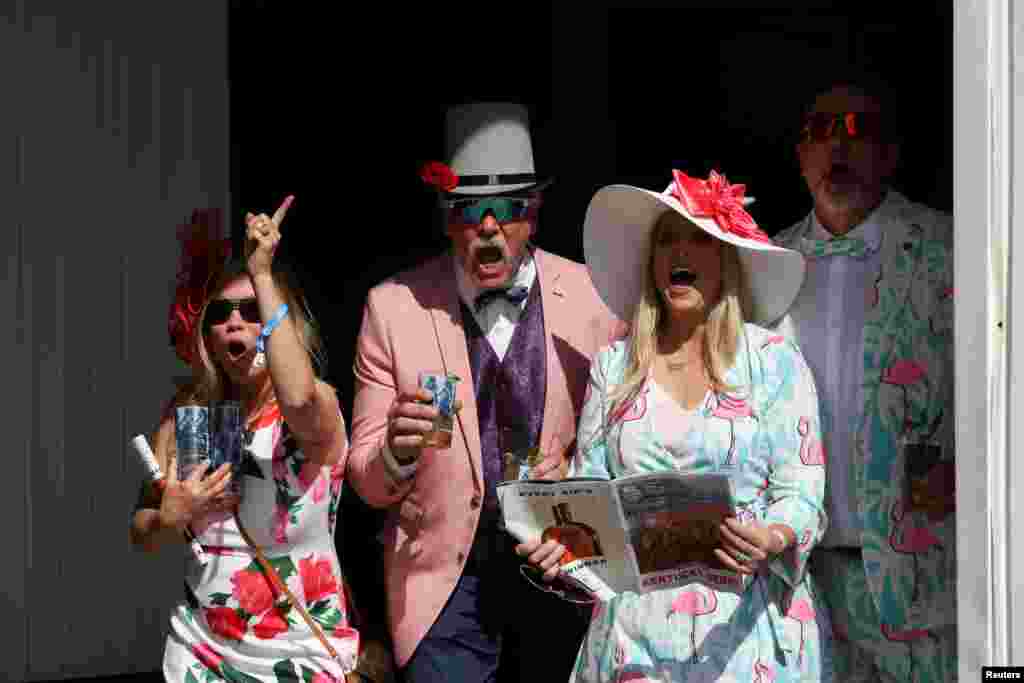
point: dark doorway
(341, 109)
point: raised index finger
(282, 210)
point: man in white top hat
(518, 327)
(874, 320)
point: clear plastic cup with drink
(192, 437)
(441, 386)
(226, 441)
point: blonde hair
(721, 336)
(208, 379)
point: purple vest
(509, 393)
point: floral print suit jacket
(904, 447)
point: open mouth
(236, 350)
(841, 173)
(489, 254)
(682, 277)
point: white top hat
(489, 150)
(618, 226)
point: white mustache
(489, 245)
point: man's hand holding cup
(413, 424)
(410, 419)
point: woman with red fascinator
(268, 602)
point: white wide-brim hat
(489, 149)
(617, 231)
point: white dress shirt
(829, 315)
(498, 321)
(499, 317)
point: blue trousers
(497, 628)
(458, 647)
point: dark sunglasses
(820, 126)
(471, 211)
(219, 310)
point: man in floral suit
(874, 319)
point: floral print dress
(232, 624)
(766, 435)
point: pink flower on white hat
(715, 198)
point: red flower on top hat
(203, 254)
(439, 175)
(715, 198)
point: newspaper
(639, 533)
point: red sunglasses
(821, 126)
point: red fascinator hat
(204, 252)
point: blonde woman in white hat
(696, 389)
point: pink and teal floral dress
(232, 625)
(766, 435)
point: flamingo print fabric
(766, 435)
(894, 605)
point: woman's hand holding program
(745, 546)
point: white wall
(1014, 486)
(989, 182)
(113, 126)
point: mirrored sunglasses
(821, 126)
(471, 210)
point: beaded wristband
(261, 341)
(268, 329)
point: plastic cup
(442, 389)
(192, 436)
(226, 441)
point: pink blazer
(412, 322)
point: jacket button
(474, 502)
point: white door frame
(986, 181)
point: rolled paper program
(145, 454)
(159, 481)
